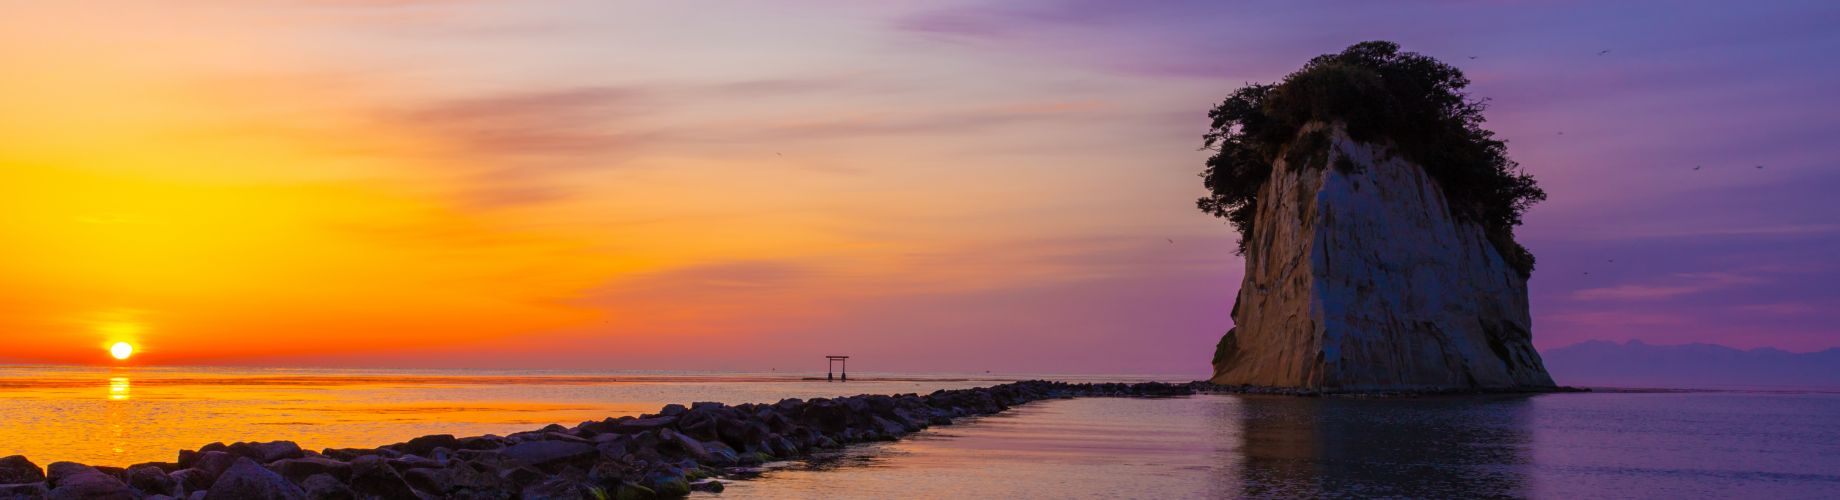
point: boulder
(268, 452)
(685, 445)
(299, 469)
(557, 488)
(425, 445)
(564, 436)
(248, 480)
(460, 481)
(24, 491)
(75, 481)
(151, 480)
(192, 479)
(167, 467)
(645, 424)
(413, 462)
(481, 443)
(349, 454)
(214, 463)
(326, 487)
(373, 476)
(888, 427)
(17, 469)
(539, 453)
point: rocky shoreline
(666, 454)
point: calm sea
(1593, 445)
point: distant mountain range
(1638, 364)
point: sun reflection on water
(118, 388)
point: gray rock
(522, 476)
(26, 491)
(264, 453)
(1359, 278)
(17, 469)
(425, 445)
(457, 481)
(249, 480)
(214, 463)
(373, 476)
(151, 480)
(413, 462)
(564, 436)
(349, 454)
(299, 469)
(167, 467)
(720, 454)
(645, 424)
(326, 487)
(557, 488)
(684, 444)
(481, 443)
(77, 481)
(540, 453)
(888, 427)
(192, 479)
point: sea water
(123, 416)
(1589, 445)
(1618, 444)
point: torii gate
(832, 361)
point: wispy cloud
(1683, 284)
(557, 124)
(935, 122)
(1689, 231)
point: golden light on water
(118, 390)
(121, 350)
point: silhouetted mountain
(1638, 364)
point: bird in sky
(1472, 57)
(1602, 52)
(1171, 241)
(1760, 167)
(1696, 167)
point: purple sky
(926, 186)
(1729, 254)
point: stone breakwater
(665, 454)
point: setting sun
(121, 350)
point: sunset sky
(924, 186)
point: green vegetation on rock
(1407, 101)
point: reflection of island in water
(1421, 448)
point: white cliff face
(1358, 278)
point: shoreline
(657, 455)
(666, 454)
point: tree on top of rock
(1409, 101)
